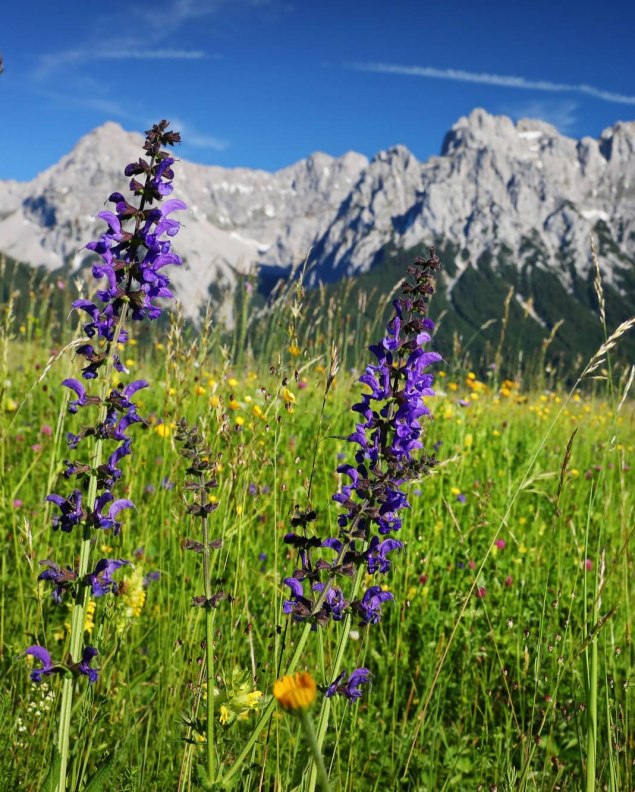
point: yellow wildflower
(288, 396)
(295, 692)
(225, 714)
(89, 623)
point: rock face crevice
(519, 192)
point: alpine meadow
(338, 534)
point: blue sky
(263, 83)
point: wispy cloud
(198, 140)
(500, 80)
(154, 54)
(561, 114)
(50, 62)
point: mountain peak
(517, 187)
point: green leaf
(50, 784)
(103, 777)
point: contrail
(501, 80)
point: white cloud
(198, 140)
(50, 62)
(152, 54)
(562, 115)
(501, 80)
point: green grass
(484, 666)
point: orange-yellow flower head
(295, 692)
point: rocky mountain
(508, 203)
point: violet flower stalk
(133, 253)
(388, 454)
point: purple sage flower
(351, 688)
(100, 580)
(48, 667)
(83, 667)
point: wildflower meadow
(299, 554)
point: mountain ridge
(517, 200)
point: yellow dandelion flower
(200, 390)
(294, 350)
(453, 386)
(295, 692)
(469, 440)
(239, 420)
(234, 405)
(232, 382)
(214, 401)
(163, 430)
(257, 411)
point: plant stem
(209, 640)
(78, 616)
(266, 713)
(323, 721)
(318, 766)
